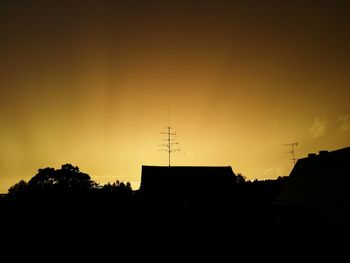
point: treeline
(66, 180)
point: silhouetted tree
(44, 179)
(18, 188)
(117, 187)
(68, 178)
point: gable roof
(185, 179)
(319, 179)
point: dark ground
(105, 227)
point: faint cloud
(344, 122)
(268, 171)
(345, 126)
(190, 154)
(318, 128)
(280, 171)
(274, 172)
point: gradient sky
(91, 83)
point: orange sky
(90, 84)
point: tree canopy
(68, 178)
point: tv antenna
(292, 151)
(170, 142)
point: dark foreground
(105, 227)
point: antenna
(292, 151)
(170, 142)
(168, 116)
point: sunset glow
(90, 84)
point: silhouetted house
(317, 194)
(185, 184)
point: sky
(93, 83)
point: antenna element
(292, 151)
(170, 142)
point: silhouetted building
(185, 184)
(316, 198)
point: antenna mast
(170, 142)
(292, 151)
